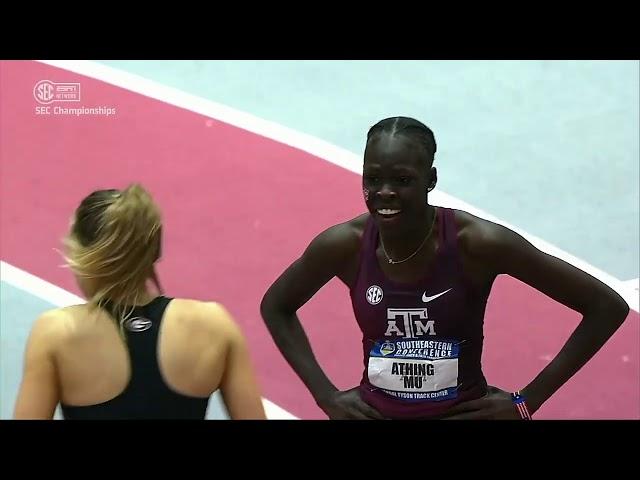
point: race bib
(415, 370)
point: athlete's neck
(399, 244)
(144, 298)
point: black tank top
(147, 396)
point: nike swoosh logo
(426, 299)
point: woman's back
(172, 355)
(107, 359)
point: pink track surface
(238, 208)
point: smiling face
(396, 176)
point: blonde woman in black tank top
(130, 352)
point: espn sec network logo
(47, 92)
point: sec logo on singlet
(374, 295)
(387, 348)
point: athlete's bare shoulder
(479, 242)
(331, 253)
(340, 241)
(476, 233)
(53, 327)
(206, 317)
(358, 223)
(486, 240)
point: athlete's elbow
(619, 310)
(272, 309)
(267, 309)
(612, 307)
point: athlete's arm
(239, 386)
(324, 258)
(38, 395)
(503, 251)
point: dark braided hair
(406, 126)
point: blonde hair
(115, 241)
